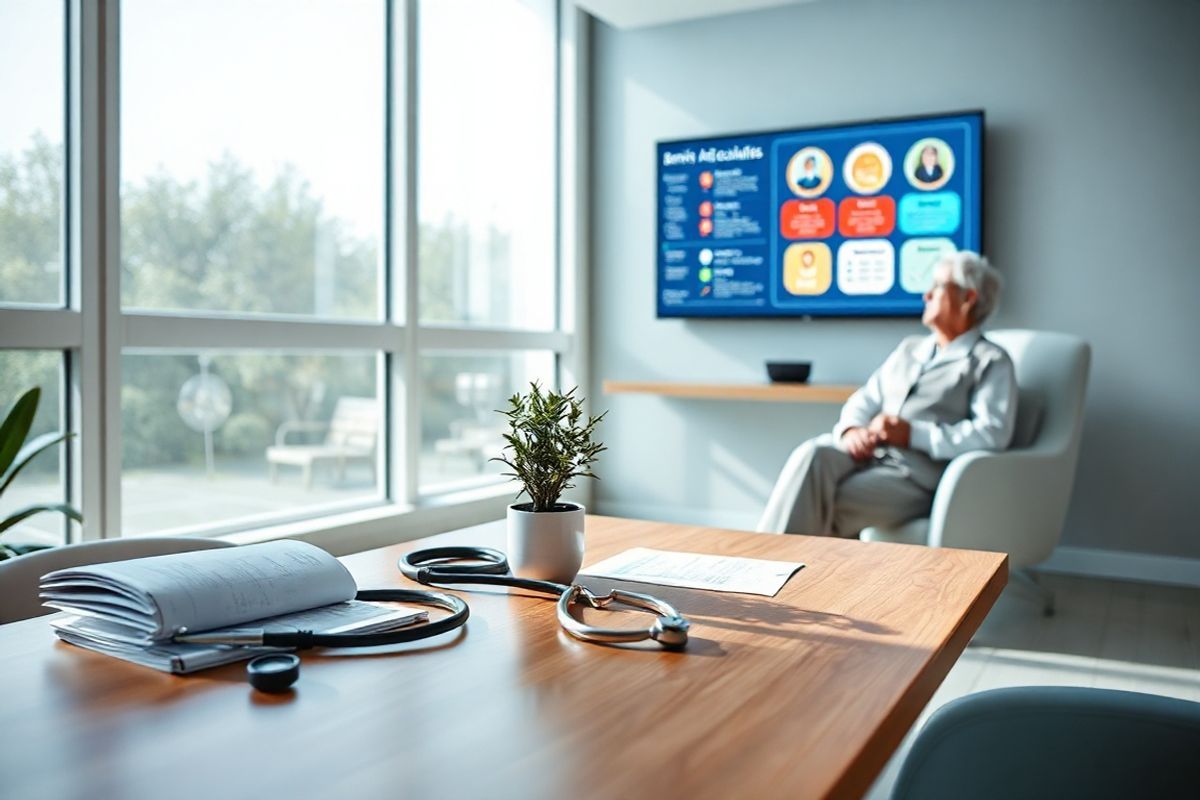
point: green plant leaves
(14, 457)
(29, 511)
(548, 444)
(16, 426)
(29, 451)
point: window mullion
(483, 339)
(165, 331)
(573, 209)
(109, 270)
(91, 106)
(406, 103)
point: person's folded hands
(890, 429)
(860, 443)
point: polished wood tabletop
(805, 694)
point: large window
(32, 260)
(275, 261)
(253, 182)
(251, 185)
(486, 148)
(31, 152)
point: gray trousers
(822, 491)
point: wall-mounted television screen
(839, 220)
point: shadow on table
(765, 616)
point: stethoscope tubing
(303, 640)
(493, 570)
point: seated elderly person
(934, 398)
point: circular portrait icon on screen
(809, 172)
(929, 164)
(868, 168)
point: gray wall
(1092, 206)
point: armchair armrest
(1013, 502)
(297, 426)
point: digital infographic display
(844, 220)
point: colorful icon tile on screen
(867, 168)
(867, 216)
(928, 164)
(807, 268)
(705, 226)
(807, 219)
(930, 214)
(866, 266)
(809, 172)
(706, 257)
(706, 208)
(705, 275)
(918, 257)
(706, 180)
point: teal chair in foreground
(1057, 742)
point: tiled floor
(1109, 634)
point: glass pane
(252, 156)
(41, 480)
(487, 162)
(213, 438)
(460, 395)
(31, 152)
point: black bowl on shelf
(788, 371)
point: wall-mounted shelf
(767, 392)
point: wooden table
(805, 694)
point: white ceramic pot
(546, 545)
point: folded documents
(696, 571)
(132, 609)
(121, 641)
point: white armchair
(1015, 501)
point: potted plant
(549, 445)
(15, 455)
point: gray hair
(970, 270)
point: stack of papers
(697, 571)
(132, 609)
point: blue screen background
(737, 268)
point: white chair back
(1053, 369)
(355, 424)
(1028, 522)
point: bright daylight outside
(31, 259)
(253, 185)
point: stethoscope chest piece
(671, 632)
(670, 629)
(273, 673)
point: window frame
(93, 330)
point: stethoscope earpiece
(273, 673)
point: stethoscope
(276, 672)
(429, 567)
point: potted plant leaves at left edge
(15, 455)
